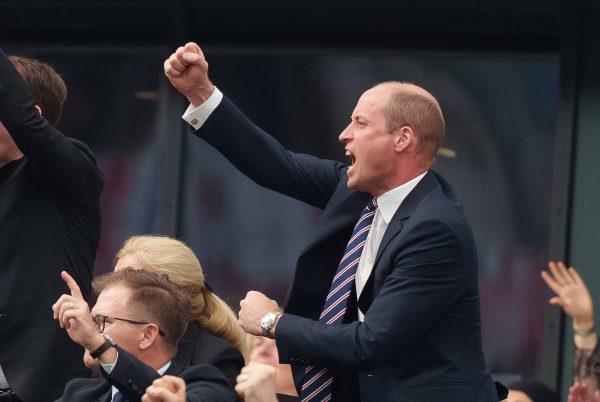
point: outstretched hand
(571, 293)
(187, 70)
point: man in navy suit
(133, 330)
(408, 325)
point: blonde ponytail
(174, 258)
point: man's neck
(156, 360)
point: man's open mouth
(352, 157)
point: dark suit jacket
(421, 337)
(131, 377)
(199, 346)
(49, 222)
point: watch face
(267, 320)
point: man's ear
(149, 336)
(39, 109)
(403, 138)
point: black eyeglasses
(100, 321)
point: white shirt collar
(389, 202)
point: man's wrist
(197, 98)
(268, 322)
(272, 330)
(95, 342)
(583, 325)
(584, 331)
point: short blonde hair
(412, 106)
(172, 257)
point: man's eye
(360, 123)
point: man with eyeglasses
(133, 330)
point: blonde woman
(214, 336)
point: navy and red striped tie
(317, 381)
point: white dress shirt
(387, 205)
(3, 382)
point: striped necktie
(317, 381)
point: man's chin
(352, 184)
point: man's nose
(346, 135)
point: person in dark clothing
(50, 188)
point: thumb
(192, 47)
(192, 58)
(555, 301)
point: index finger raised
(73, 287)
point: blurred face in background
(518, 396)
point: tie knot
(372, 204)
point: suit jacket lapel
(344, 210)
(405, 210)
(410, 203)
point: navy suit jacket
(421, 338)
(203, 382)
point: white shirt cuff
(109, 367)
(196, 117)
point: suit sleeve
(65, 164)
(203, 382)
(265, 161)
(427, 277)
(130, 376)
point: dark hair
(156, 299)
(48, 88)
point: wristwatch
(108, 343)
(267, 322)
(584, 331)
